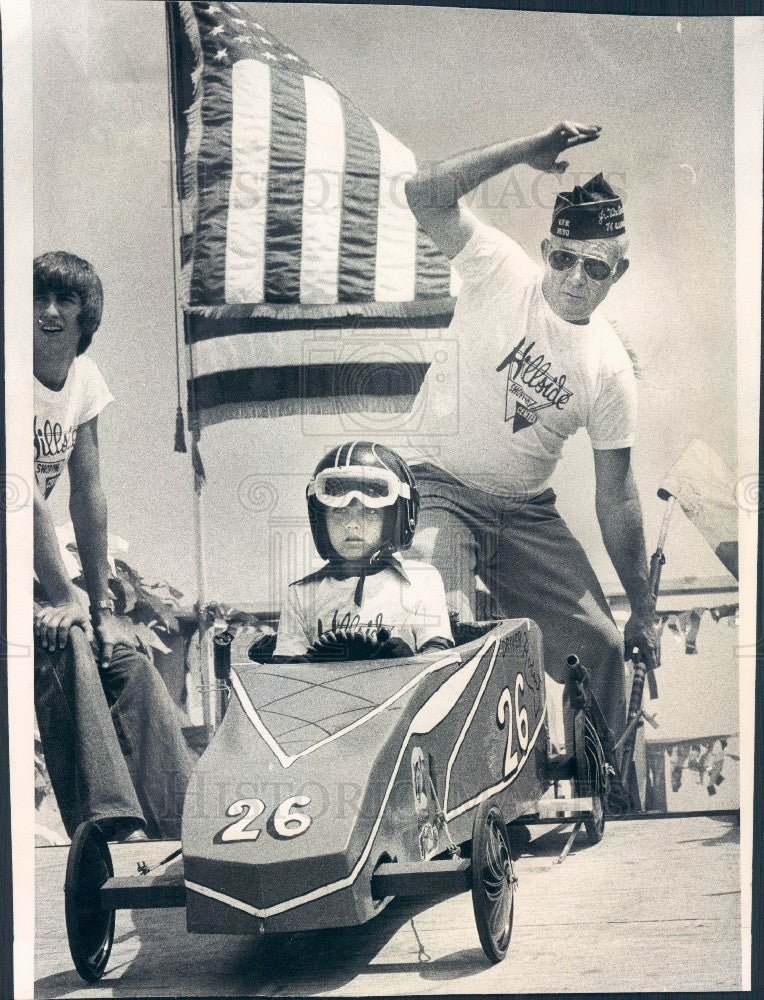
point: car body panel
(319, 772)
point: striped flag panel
(272, 366)
(293, 212)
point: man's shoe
(134, 837)
(122, 829)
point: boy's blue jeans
(112, 741)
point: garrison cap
(592, 211)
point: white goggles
(373, 487)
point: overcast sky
(441, 80)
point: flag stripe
(250, 144)
(252, 385)
(185, 54)
(322, 196)
(360, 198)
(308, 347)
(286, 177)
(201, 328)
(382, 407)
(214, 180)
(433, 272)
(396, 226)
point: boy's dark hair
(63, 272)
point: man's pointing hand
(546, 146)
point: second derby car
(329, 788)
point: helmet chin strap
(343, 569)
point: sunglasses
(564, 260)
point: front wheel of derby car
(591, 773)
(89, 928)
(493, 881)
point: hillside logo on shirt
(351, 622)
(528, 373)
(52, 445)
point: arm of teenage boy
(66, 608)
(87, 508)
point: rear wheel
(493, 881)
(89, 928)
(591, 773)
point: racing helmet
(376, 476)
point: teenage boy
(112, 743)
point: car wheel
(89, 928)
(493, 881)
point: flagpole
(208, 681)
(207, 674)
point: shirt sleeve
(613, 420)
(431, 619)
(292, 639)
(96, 395)
(491, 259)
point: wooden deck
(655, 906)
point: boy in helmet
(365, 602)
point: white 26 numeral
(521, 715)
(248, 809)
(286, 824)
(504, 717)
(289, 824)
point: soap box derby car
(331, 787)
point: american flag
(306, 284)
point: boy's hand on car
(392, 649)
(368, 643)
(345, 644)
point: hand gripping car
(330, 787)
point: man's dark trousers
(534, 568)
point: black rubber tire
(591, 774)
(89, 928)
(493, 881)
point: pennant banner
(705, 489)
(683, 626)
(295, 231)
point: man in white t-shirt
(113, 747)
(536, 363)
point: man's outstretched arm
(433, 193)
(620, 518)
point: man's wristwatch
(101, 608)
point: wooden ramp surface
(655, 906)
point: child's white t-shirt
(58, 415)
(410, 602)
